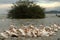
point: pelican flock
(30, 31)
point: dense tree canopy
(26, 9)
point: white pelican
(55, 25)
(4, 35)
(12, 34)
(41, 25)
(51, 33)
(37, 32)
(13, 29)
(31, 27)
(29, 33)
(51, 26)
(23, 27)
(44, 32)
(34, 33)
(58, 26)
(22, 32)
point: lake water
(50, 19)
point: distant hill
(52, 12)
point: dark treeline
(26, 9)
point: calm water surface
(50, 19)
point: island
(26, 9)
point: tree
(26, 9)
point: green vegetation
(26, 9)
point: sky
(49, 5)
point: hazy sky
(48, 4)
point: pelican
(55, 25)
(4, 35)
(58, 26)
(13, 29)
(44, 32)
(22, 32)
(34, 33)
(31, 27)
(23, 27)
(33, 30)
(41, 25)
(51, 33)
(37, 32)
(12, 34)
(55, 29)
(29, 33)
